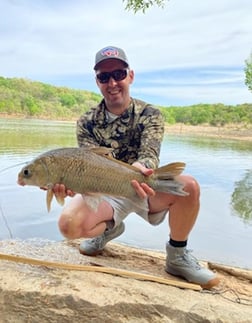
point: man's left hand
(143, 190)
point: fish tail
(170, 171)
(166, 180)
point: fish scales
(91, 170)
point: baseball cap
(110, 52)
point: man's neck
(118, 109)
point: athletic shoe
(94, 246)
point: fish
(93, 171)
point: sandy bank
(43, 294)
(238, 132)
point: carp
(93, 171)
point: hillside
(35, 99)
(22, 97)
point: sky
(189, 52)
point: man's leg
(92, 247)
(78, 220)
(183, 212)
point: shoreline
(231, 131)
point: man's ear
(131, 75)
(97, 83)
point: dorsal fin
(103, 151)
(106, 153)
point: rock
(43, 294)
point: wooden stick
(237, 272)
(106, 270)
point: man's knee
(192, 187)
(65, 225)
(71, 225)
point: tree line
(35, 99)
(39, 100)
(211, 114)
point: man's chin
(115, 103)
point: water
(223, 168)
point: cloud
(55, 42)
(193, 85)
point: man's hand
(142, 189)
(60, 191)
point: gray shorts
(123, 207)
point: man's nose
(111, 81)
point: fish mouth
(20, 182)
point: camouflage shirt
(136, 135)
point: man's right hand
(61, 191)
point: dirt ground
(238, 132)
(37, 293)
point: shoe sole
(96, 253)
(210, 284)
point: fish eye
(27, 172)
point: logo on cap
(110, 51)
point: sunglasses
(117, 75)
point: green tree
(168, 115)
(248, 72)
(200, 114)
(67, 99)
(30, 105)
(142, 5)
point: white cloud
(189, 95)
(48, 40)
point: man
(134, 130)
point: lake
(222, 234)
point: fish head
(34, 173)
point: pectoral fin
(49, 197)
(60, 199)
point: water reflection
(217, 162)
(242, 198)
(29, 136)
